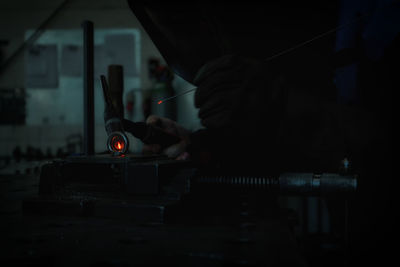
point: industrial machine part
(140, 175)
(117, 141)
(286, 183)
(142, 188)
(106, 174)
(152, 188)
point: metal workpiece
(117, 143)
(315, 184)
(239, 181)
(116, 175)
(287, 183)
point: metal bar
(294, 183)
(88, 80)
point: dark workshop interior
(197, 133)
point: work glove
(242, 102)
(239, 92)
(178, 150)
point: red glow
(159, 102)
(119, 146)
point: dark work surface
(33, 240)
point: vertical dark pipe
(88, 80)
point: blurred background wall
(41, 83)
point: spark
(174, 96)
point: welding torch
(117, 141)
(116, 126)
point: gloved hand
(177, 151)
(242, 102)
(219, 84)
(238, 92)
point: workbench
(30, 239)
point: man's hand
(178, 150)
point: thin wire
(286, 51)
(316, 37)
(174, 96)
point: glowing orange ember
(119, 146)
